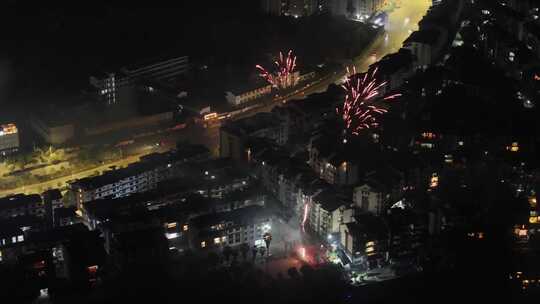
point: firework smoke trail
(358, 111)
(285, 68)
(306, 210)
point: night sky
(51, 51)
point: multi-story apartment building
(303, 116)
(328, 212)
(365, 240)
(379, 191)
(294, 8)
(182, 195)
(425, 45)
(20, 205)
(234, 135)
(114, 87)
(241, 226)
(394, 68)
(11, 244)
(240, 96)
(334, 166)
(9, 139)
(356, 9)
(138, 177)
(52, 199)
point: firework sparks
(358, 111)
(302, 252)
(304, 220)
(282, 78)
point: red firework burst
(359, 111)
(285, 68)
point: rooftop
(59, 234)
(329, 199)
(18, 200)
(427, 36)
(385, 176)
(147, 163)
(240, 216)
(145, 238)
(394, 62)
(21, 221)
(368, 226)
(250, 125)
(65, 212)
(52, 194)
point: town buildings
(115, 88)
(242, 226)
(137, 177)
(55, 129)
(234, 135)
(20, 205)
(9, 139)
(356, 9)
(293, 8)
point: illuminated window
(434, 182)
(514, 147)
(217, 240)
(203, 244)
(369, 244)
(92, 269)
(171, 225)
(210, 116)
(522, 232)
(186, 227)
(20, 238)
(532, 201)
(429, 135)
